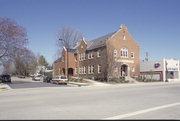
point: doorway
(124, 70)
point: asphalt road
(125, 101)
(18, 83)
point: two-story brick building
(113, 55)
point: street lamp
(66, 62)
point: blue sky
(154, 24)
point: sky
(153, 24)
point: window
(132, 54)
(62, 58)
(99, 68)
(115, 53)
(89, 55)
(124, 52)
(124, 37)
(98, 53)
(76, 58)
(80, 70)
(84, 56)
(89, 69)
(92, 55)
(84, 70)
(92, 69)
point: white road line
(142, 111)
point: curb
(79, 84)
(4, 87)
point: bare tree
(13, 37)
(25, 62)
(68, 37)
(113, 63)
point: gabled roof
(99, 42)
(59, 59)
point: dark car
(21, 76)
(47, 78)
(5, 78)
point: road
(158, 100)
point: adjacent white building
(166, 69)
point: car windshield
(63, 77)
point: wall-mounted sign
(172, 69)
(156, 65)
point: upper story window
(124, 37)
(62, 58)
(132, 54)
(90, 55)
(115, 53)
(84, 56)
(98, 53)
(124, 52)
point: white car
(37, 78)
(59, 79)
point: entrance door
(124, 70)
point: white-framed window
(124, 37)
(98, 53)
(92, 55)
(115, 53)
(132, 54)
(84, 70)
(124, 52)
(62, 58)
(84, 56)
(89, 55)
(92, 69)
(99, 68)
(89, 69)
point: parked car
(36, 78)
(47, 78)
(5, 78)
(21, 76)
(59, 79)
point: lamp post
(66, 61)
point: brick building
(113, 55)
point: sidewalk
(91, 83)
(96, 83)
